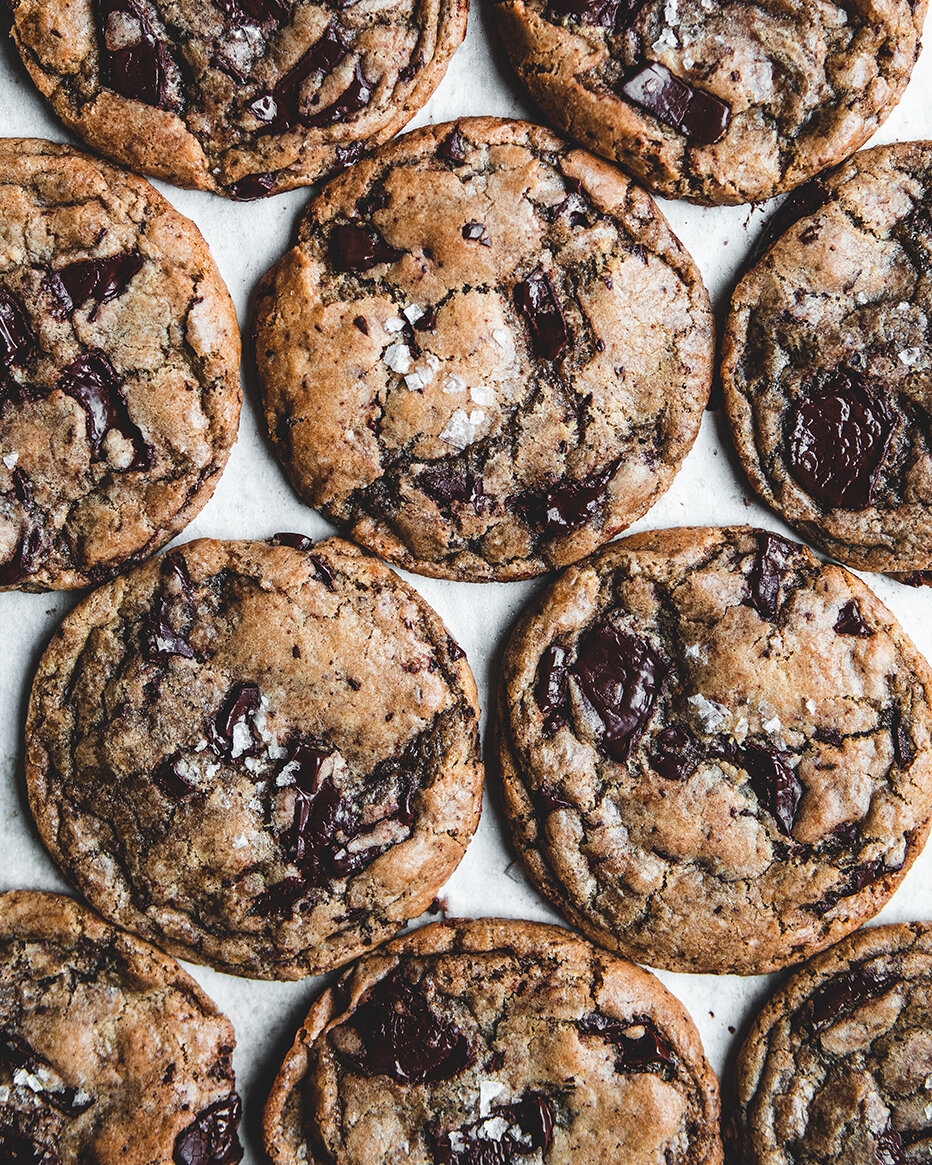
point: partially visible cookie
(259, 756)
(487, 354)
(242, 97)
(479, 1043)
(109, 1052)
(119, 368)
(716, 750)
(722, 102)
(837, 1065)
(827, 366)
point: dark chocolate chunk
(843, 994)
(536, 299)
(551, 690)
(212, 1138)
(427, 320)
(17, 1053)
(912, 578)
(837, 440)
(138, 70)
(322, 572)
(19, 1150)
(569, 504)
(241, 704)
(402, 1037)
(768, 570)
(603, 13)
(18, 341)
(851, 622)
(528, 1127)
(360, 323)
(454, 651)
(295, 541)
(776, 785)
(619, 676)
(93, 382)
(548, 800)
(170, 778)
(344, 156)
(23, 561)
(888, 1148)
(903, 747)
(799, 203)
(264, 14)
(639, 1046)
(280, 109)
(858, 878)
(357, 248)
(829, 735)
(98, 280)
(354, 97)
(453, 147)
(450, 481)
(251, 187)
(695, 113)
(159, 639)
(280, 898)
(474, 232)
(672, 753)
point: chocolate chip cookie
(827, 366)
(243, 97)
(716, 751)
(119, 368)
(837, 1065)
(109, 1052)
(259, 756)
(487, 354)
(479, 1043)
(718, 102)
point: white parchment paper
(255, 500)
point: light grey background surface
(255, 500)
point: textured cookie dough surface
(480, 1043)
(487, 354)
(109, 1052)
(836, 1066)
(262, 757)
(119, 368)
(716, 751)
(720, 102)
(243, 97)
(827, 365)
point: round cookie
(109, 1052)
(827, 367)
(487, 355)
(119, 369)
(242, 97)
(716, 751)
(259, 756)
(723, 102)
(476, 1043)
(836, 1066)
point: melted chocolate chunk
(18, 341)
(548, 800)
(551, 690)
(93, 382)
(568, 505)
(798, 204)
(453, 147)
(138, 70)
(251, 187)
(212, 1138)
(619, 676)
(19, 1150)
(829, 735)
(851, 622)
(281, 109)
(354, 97)
(345, 156)
(858, 878)
(768, 570)
(672, 755)
(295, 541)
(357, 248)
(450, 481)
(280, 898)
(241, 704)
(170, 778)
(528, 1127)
(843, 994)
(23, 561)
(776, 785)
(639, 1046)
(537, 301)
(264, 14)
(695, 113)
(888, 1148)
(322, 572)
(17, 1053)
(402, 1037)
(903, 748)
(159, 638)
(837, 440)
(98, 280)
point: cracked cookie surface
(487, 354)
(119, 368)
(260, 756)
(242, 97)
(827, 367)
(716, 751)
(109, 1051)
(836, 1066)
(715, 102)
(491, 1041)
